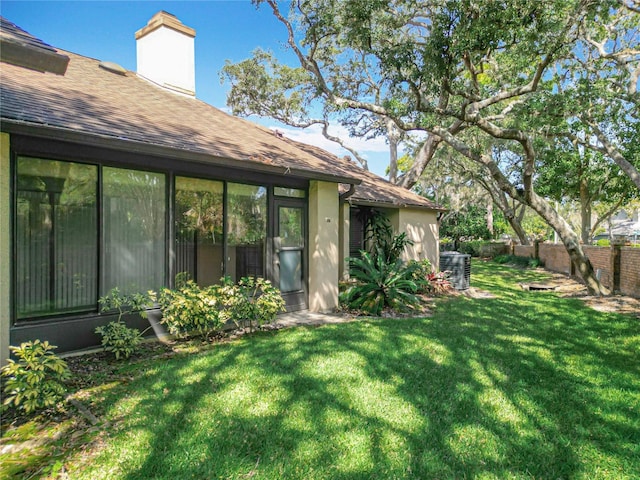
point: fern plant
(380, 284)
(36, 379)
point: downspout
(348, 193)
(344, 232)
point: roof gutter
(381, 204)
(348, 193)
(132, 146)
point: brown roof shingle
(129, 112)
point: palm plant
(380, 284)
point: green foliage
(423, 269)
(36, 379)
(117, 338)
(381, 285)
(603, 242)
(469, 223)
(127, 302)
(252, 301)
(380, 238)
(471, 247)
(191, 309)
(523, 262)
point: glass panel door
(291, 239)
(289, 253)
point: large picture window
(56, 237)
(134, 219)
(199, 235)
(246, 230)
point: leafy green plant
(381, 240)
(190, 309)
(522, 262)
(379, 285)
(36, 379)
(421, 274)
(252, 301)
(117, 338)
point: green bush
(603, 242)
(35, 381)
(117, 338)
(252, 301)
(523, 262)
(421, 274)
(190, 309)
(379, 285)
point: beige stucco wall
(324, 246)
(5, 249)
(421, 226)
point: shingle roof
(129, 112)
(374, 190)
(21, 48)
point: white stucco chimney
(166, 54)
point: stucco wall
(421, 227)
(5, 249)
(324, 246)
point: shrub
(252, 301)
(420, 276)
(439, 283)
(35, 381)
(117, 338)
(380, 285)
(381, 239)
(190, 309)
(522, 262)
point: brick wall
(630, 271)
(556, 258)
(600, 258)
(523, 250)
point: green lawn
(525, 385)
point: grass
(524, 385)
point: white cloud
(313, 136)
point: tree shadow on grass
(512, 387)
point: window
(289, 192)
(199, 236)
(134, 218)
(246, 230)
(56, 237)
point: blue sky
(225, 30)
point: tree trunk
(517, 227)
(571, 243)
(490, 217)
(393, 135)
(585, 212)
